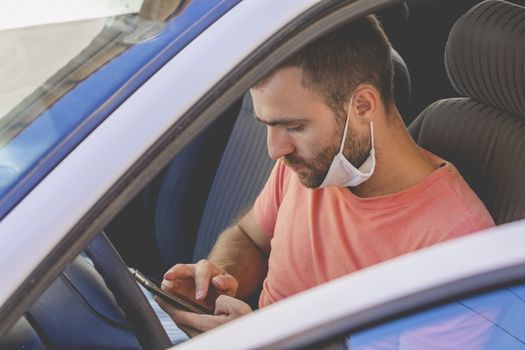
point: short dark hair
(337, 63)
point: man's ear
(365, 103)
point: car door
(79, 185)
(461, 294)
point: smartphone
(176, 299)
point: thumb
(231, 307)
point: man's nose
(279, 143)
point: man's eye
(294, 128)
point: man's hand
(226, 309)
(204, 273)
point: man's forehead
(287, 115)
(270, 111)
(280, 76)
(282, 92)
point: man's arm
(242, 251)
(236, 265)
(238, 260)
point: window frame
(406, 306)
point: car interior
(477, 124)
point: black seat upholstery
(402, 87)
(483, 133)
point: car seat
(483, 133)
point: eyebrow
(282, 121)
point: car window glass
(65, 75)
(49, 49)
(39, 38)
(493, 320)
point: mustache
(292, 160)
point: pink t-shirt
(321, 234)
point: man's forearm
(239, 256)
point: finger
(192, 320)
(204, 271)
(225, 283)
(200, 322)
(231, 307)
(170, 284)
(180, 271)
(175, 313)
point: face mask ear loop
(346, 126)
(372, 150)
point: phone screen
(176, 299)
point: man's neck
(400, 163)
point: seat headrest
(485, 55)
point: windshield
(38, 38)
(48, 48)
(68, 63)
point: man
(350, 187)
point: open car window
(93, 294)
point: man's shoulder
(460, 207)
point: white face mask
(342, 173)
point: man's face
(302, 129)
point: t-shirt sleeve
(458, 212)
(475, 216)
(267, 204)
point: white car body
(383, 288)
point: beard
(313, 171)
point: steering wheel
(138, 311)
